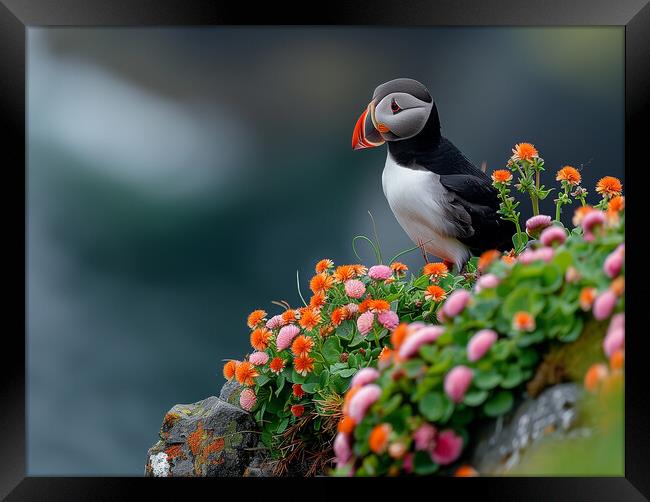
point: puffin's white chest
(417, 200)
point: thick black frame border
(17, 15)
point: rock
(230, 392)
(550, 416)
(209, 438)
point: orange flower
(339, 315)
(359, 269)
(466, 471)
(296, 390)
(256, 317)
(309, 318)
(378, 305)
(524, 151)
(594, 376)
(289, 315)
(229, 369)
(346, 425)
(569, 174)
(523, 321)
(245, 373)
(378, 440)
(323, 265)
(364, 306)
(501, 176)
(277, 365)
(302, 345)
(321, 283)
(297, 410)
(509, 258)
(617, 360)
(348, 397)
(260, 338)
(385, 355)
(303, 365)
(609, 186)
(344, 273)
(317, 300)
(580, 214)
(616, 204)
(487, 258)
(618, 286)
(399, 268)
(397, 337)
(435, 271)
(587, 297)
(435, 293)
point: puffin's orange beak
(365, 135)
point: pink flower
(286, 336)
(527, 257)
(277, 321)
(614, 341)
(380, 272)
(487, 281)
(415, 340)
(364, 322)
(354, 288)
(448, 447)
(259, 358)
(553, 235)
(388, 319)
(440, 315)
(425, 437)
(536, 224)
(604, 304)
(342, 448)
(591, 221)
(480, 343)
(353, 308)
(364, 376)
(615, 338)
(545, 254)
(614, 263)
(572, 274)
(247, 399)
(456, 302)
(362, 400)
(457, 382)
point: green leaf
(332, 349)
(347, 372)
(423, 463)
(261, 380)
(513, 377)
(309, 387)
(422, 282)
(280, 383)
(574, 333)
(498, 404)
(282, 426)
(475, 397)
(432, 406)
(486, 379)
(519, 241)
(324, 379)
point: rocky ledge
(215, 437)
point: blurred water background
(178, 178)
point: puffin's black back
(470, 189)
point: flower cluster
(385, 370)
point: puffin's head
(399, 110)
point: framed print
(383, 242)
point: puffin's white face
(399, 110)
(400, 116)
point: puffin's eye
(395, 107)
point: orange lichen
(174, 451)
(214, 447)
(195, 439)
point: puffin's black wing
(473, 205)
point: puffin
(444, 203)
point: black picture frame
(17, 15)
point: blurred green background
(178, 178)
